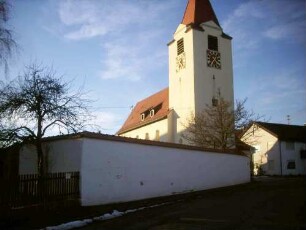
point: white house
(119, 169)
(279, 149)
(200, 70)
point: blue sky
(118, 50)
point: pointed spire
(199, 11)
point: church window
(147, 136)
(212, 43)
(180, 46)
(151, 112)
(142, 117)
(291, 164)
(157, 138)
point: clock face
(180, 62)
(213, 59)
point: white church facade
(200, 71)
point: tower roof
(199, 11)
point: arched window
(157, 138)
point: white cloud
(86, 31)
(253, 21)
(86, 19)
(282, 88)
(77, 12)
(248, 10)
(107, 122)
(294, 30)
(126, 53)
(120, 61)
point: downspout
(280, 157)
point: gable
(142, 113)
(282, 132)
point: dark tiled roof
(158, 101)
(285, 132)
(199, 11)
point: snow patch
(107, 216)
(71, 225)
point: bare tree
(7, 43)
(217, 125)
(36, 102)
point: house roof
(159, 102)
(199, 11)
(285, 132)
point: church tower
(200, 66)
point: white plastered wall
(63, 156)
(266, 149)
(192, 88)
(272, 155)
(205, 89)
(114, 171)
(160, 126)
(181, 83)
(293, 155)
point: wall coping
(106, 137)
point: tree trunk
(41, 173)
(40, 159)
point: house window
(291, 164)
(157, 138)
(289, 145)
(142, 117)
(212, 43)
(147, 136)
(180, 46)
(137, 136)
(303, 154)
(151, 112)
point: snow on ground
(107, 216)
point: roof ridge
(269, 123)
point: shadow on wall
(279, 161)
(9, 163)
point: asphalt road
(266, 203)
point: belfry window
(180, 46)
(212, 43)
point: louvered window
(212, 43)
(180, 46)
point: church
(200, 71)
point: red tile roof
(158, 101)
(199, 11)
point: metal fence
(31, 189)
